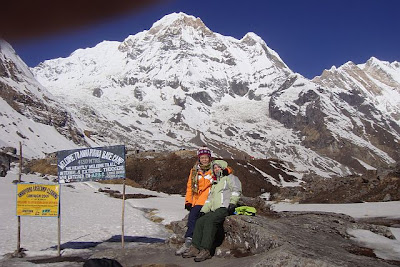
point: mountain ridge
(29, 113)
(179, 85)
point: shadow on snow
(115, 238)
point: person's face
(217, 168)
(204, 159)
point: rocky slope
(368, 95)
(350, 189)
(29, 113)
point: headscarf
(225, 169)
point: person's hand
(200, 214)
(231, 208)
(188, 206)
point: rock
(295, 239)
(387, 197)
(261, 206)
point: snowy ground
(88, 216)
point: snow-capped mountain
(368, 97)
(29, 113)
(179, 85)
(377, 81)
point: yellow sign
(38, 200)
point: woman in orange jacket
(198, 187)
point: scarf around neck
(195, 175)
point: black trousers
(193, 214)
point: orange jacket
(204, 184)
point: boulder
(294, 239)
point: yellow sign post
(38, 200)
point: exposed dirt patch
(43, 166)
(361, 251)
(118, 194)
(381, 221)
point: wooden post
(123, 216)
(59, 222)
(59, 219)
(19, 217)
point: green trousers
(206, 228)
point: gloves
(200, 214)
(225, 172)
(231, 208)
(188, 206)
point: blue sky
(309, 35)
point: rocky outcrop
(296, 239)
(384, 186)
(305, 237)
(7, 155)
(38, 110)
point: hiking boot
(203, 255)
(185, 247)
(192, 252)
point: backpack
(246, 210)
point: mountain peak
(179, 20)
(377, 63)
(252, 37)
(174, 18)
(373, 60)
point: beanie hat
(204, 151)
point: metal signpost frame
(93, 164)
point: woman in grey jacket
(221, 202)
